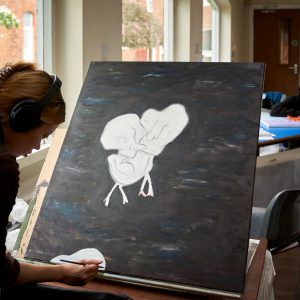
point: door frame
(251, 21)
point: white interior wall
(102, 31)
(83, 31)
(181, 30)
(196, 30)
(68, 50)
(187, 30)
(225, 30)
(238, 31)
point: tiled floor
(287, 280)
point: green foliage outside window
(141, 29)
(7, 18)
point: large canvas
(156, 171)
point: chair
(271, 98)
(279, 222)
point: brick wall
(12, 40)
(207, 17)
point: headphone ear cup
(25, 115)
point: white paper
(86, 253)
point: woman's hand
(71, 274)
(74, 274)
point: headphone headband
(26, 114)
(54, 89)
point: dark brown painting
(156, 172)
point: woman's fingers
(91, 261)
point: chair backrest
(281, 223)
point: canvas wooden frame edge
(39, 194)
(168, 285)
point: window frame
(45, 39)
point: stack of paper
(265, 135)
(270, 121)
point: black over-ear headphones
(26, 114)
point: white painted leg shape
(125, 200)
(150, 189)
(106, 200)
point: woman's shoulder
(8, 162)
(6, 156)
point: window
(28, 37)
(19, 39)
(210, 31)
(149, 6)
(21, 32)
(142, 30)
(284, 41)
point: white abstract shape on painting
(86, 253)
(123, 133)
(138, 141)
(162, 127)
